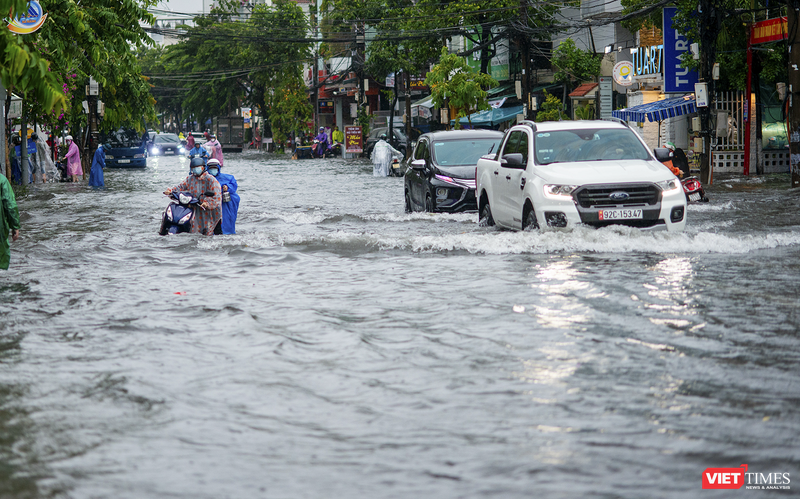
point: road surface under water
(337, 347)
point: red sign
(353, 140)
(724, 478)
(770, 30)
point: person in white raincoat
(382, 156)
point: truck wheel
(485, 219)
(428, 204)
(529, 220)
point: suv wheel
(485, 219)
(529, 219)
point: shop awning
(426, 102)
(492, 117)
(658, 110)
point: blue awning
(658, 110)
(492, 117)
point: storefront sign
(418, 83)
(29, 22)
(623, 73)
(771, 30)
(648, 60)
(326, 107)
(677, 79)
(353, 139)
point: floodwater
(337, 347)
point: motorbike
(694, 190)
(179, 214)
(322, 149)
(63, 175)
(394, 169)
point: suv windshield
(590, 144)
(462, 152)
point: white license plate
(694, 197)
(620, 214)
(123, 161)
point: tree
(551, 109)
(456, 85)
(571, 64)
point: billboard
(677, 79)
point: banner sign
(771, 30)
(677, 79)
(418, 83)
(29, 22)
(353, 140)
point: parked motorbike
(395, 170)
(694, 190)
(179, 214)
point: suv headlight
(108, 156)
(560, 192)
(669, 186)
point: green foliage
(363, 121)
(454, 84)
(572, 64)
(584, 112)
(551, 109)
(288, 107)
(223, 64)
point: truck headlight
(669, 186)
(558, 191)
(108, 156)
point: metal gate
(727, 148)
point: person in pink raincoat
(214, 148)
(74, 169)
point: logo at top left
(30, 21)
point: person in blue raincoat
(98, 165)
(198, 151)
(230, 199)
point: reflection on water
(339, 347)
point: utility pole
(709, 24)
(793, 18)
(526, 59)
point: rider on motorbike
(321, 142)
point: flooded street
(337, 347)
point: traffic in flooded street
(339, 347)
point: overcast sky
(188, 6)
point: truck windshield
(123, 138)
(599, 144)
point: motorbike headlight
(558, 191)
(181, 150)
(669, 186)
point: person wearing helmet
(323, 144)
(198, 151)
(198, 183)
(230, 199)
(214, 149)
(670, 163)
(382, 156)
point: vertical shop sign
(677, 79)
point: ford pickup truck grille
(617, 195)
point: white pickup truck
(564, 173)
